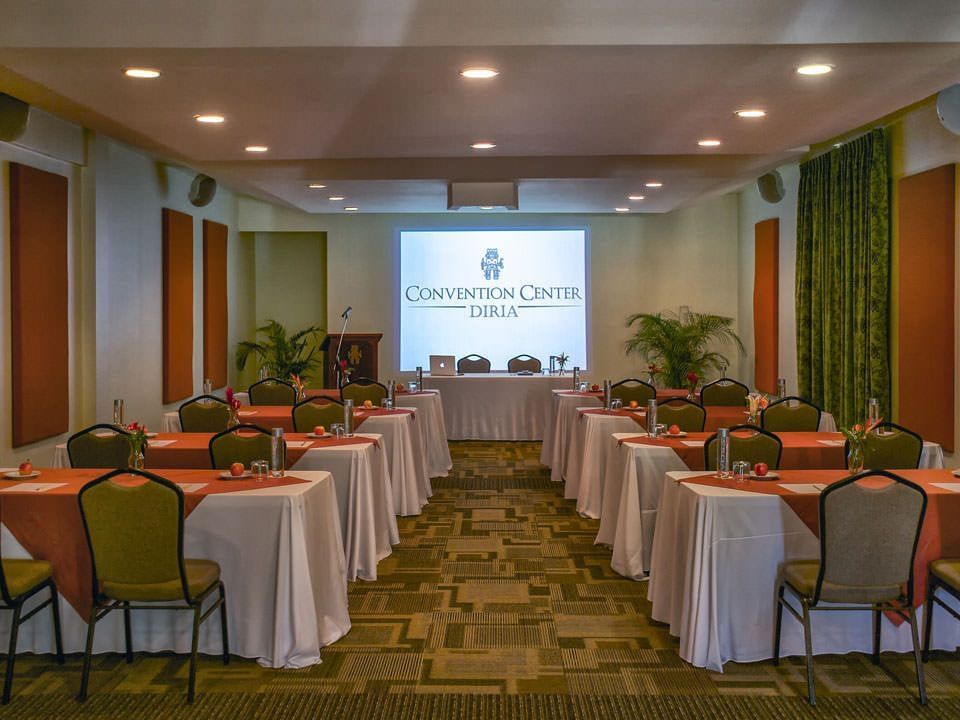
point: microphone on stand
(346, 313)
(346, 316)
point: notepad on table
(160, 443)
(192, 487)
(803, 488)
(952, 487)
(299, 443)
(831, 443)
(693, 443)
(32, 487)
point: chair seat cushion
(947, 570)
(802, 575)
(24, 575)
(201, 574)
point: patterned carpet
(496, 604)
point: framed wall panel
(215, 302)
(766, 305)
(177, 305)
(39, 288)
(925, 339)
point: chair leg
(875, 658)
(11, 655)
(191, 685)
(223, 625)
(778, 624)
(57, 632)
(127, 632)
(928, 621)
(87, 656)
(921, 685)
(808, 647)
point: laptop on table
(441, 365)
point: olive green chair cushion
(201, 574)
(687, 416)
(359, 391)
(791, 415)
(896, 449)
(754, 448)
(632, 389)
(204, 416)
(947, 570)
(87, 450)
(24, 575)
(724, 392)
(272, 392)
(308, 415)
(231, 447)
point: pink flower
(693, 378)
(858, 428)
(229, 394)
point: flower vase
(692, 394)
(855, 458)
(135, 461)
(753, 418)
(234, 417)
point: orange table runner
(362, 414)
(273, 416)
(939, 535)
(637, 416)
(718, 416)
(48, 524)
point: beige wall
(637, 263)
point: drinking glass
(384, 403)
(278, 453)
(741, 468)
(260, 468)
(412, 387)
(336, 430)
(207, 386)
(583, 387)
(873, 412)
(118, 413)
(723, 452)
(264, 373)
(616, 404)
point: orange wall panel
(215, 302)
(927, 207)
(766, 293)
(177, 305)
(39, 286)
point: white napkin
(952, 487)
(192, 487)
(803, 488)
(160, 443)
(831, 443)
(299, 443)
(32, 487)
(693, 443)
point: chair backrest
(87, 449)
(897, 449)
(790, 414)
(724, 392)
(868, 538)
(523, 363)
(747, 442)
(633, 389)
(361, 389)
(473, 364)
(272, 391)
(134, 531)
(685, 414)
(230, 446)
(203, 414)
(312, 412)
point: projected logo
(491, 264)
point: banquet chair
(897, 449)
(20, 580)
(272, 391)
(724, 392)
(203, 414)
(230, 446)
(868, 541)
(135, 537)
(523, 363)
(362, 389)
(310, 413)
(944, 575)
(633, 389)
(685, 414)
(99, 446)
(755, 447)
(791, 414)
(473, 364)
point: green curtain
(843, 278)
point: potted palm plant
(681, 346)
(282, 354)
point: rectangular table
(716, 555)
(280, 555)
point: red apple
(595, 388)
(26, 467)
(634, 404)
(674, 429)
(237, 469)
(760, 469)
(319, 430)
(368, 403)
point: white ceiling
(594, 98)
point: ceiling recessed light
(141, 72)
(256, 148)
(336, 197)
(479, 73)
(635, 197)
(815, 69)
(483, 145)
(621, 209)
(653, 184)
(751, 113)
(316, 186)
(351, 208)
(708, 142)
(486, 207)
(209, 118)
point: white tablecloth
(281, 559)
(496, 406)
(436, 452)
(631, 495)
(716, 553)
(564, 409)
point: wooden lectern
(360, 350)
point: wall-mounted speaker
(948, 108)
(14, 114)
(770, 187)
(202, 190)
